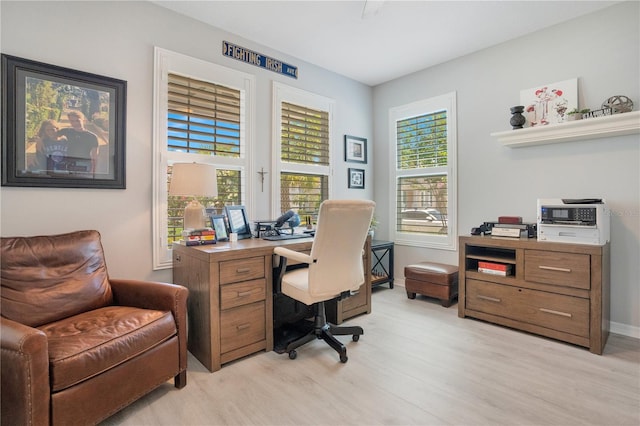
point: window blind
(422, 157)
(422, 141)
(303, 192)
(203, 117)
(305, 135)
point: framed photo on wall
(355, 149)
(61, 127)
(356, 178)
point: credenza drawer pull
(243, 270)
(551, 311)
(243, 326)
(244, 293)
(490, 299)
(553, 268)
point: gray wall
(602, 50)
(117, 40)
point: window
(201, 111)
(423, 163)
(302, 139)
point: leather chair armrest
(24, 374)
(149, 295)
(159, 296)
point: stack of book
(198, 237)
(495, 268)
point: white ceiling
(400, 38)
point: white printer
(578, 221)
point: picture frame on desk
(61, 128)
(238, 221)
(218, 224)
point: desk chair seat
(334, 269)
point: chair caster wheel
(293, 354)
(343, 358)
(356, 337)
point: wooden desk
(230, 306)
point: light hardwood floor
(416, 364)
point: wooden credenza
(557, 290)
(230, 305)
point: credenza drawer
(242, 293)
(557, 312)
(233, 271)
(557, 268)
(242, 326)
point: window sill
(591, 128)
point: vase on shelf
(517, 119)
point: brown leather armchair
(77, 346)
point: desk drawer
(243, 293)
(556, 268)
(554, 311)
(233, 271)
(242, 326)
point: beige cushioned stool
(433, 280)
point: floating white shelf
(591, 128)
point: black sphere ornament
(517, 119)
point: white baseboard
(625, 330)
(615, 327)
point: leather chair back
(47, 278)
(342, 229)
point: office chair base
(327, 332)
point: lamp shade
(193, 179)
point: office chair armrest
(293, 255)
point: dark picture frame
(238, 222)
(61, 127)
(356, 178)
(355, 149)
(218, 224)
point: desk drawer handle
(490, 299)
(243, 270)
(553, 268)
(551, 311)
(244, 293)
(243, 326)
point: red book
(495, 266)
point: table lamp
(196, 180)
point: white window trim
(166, 61)
(438, 103)
(284, 93)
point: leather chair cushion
(85, 345)
(47, 278)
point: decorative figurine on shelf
(517, 119)
(618, 104)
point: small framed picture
(355, 149)
(219, 225)
(356, 178)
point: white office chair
(335, 268)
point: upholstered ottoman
(433, 280)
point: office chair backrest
(341, 232)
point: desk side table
(381, 263)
